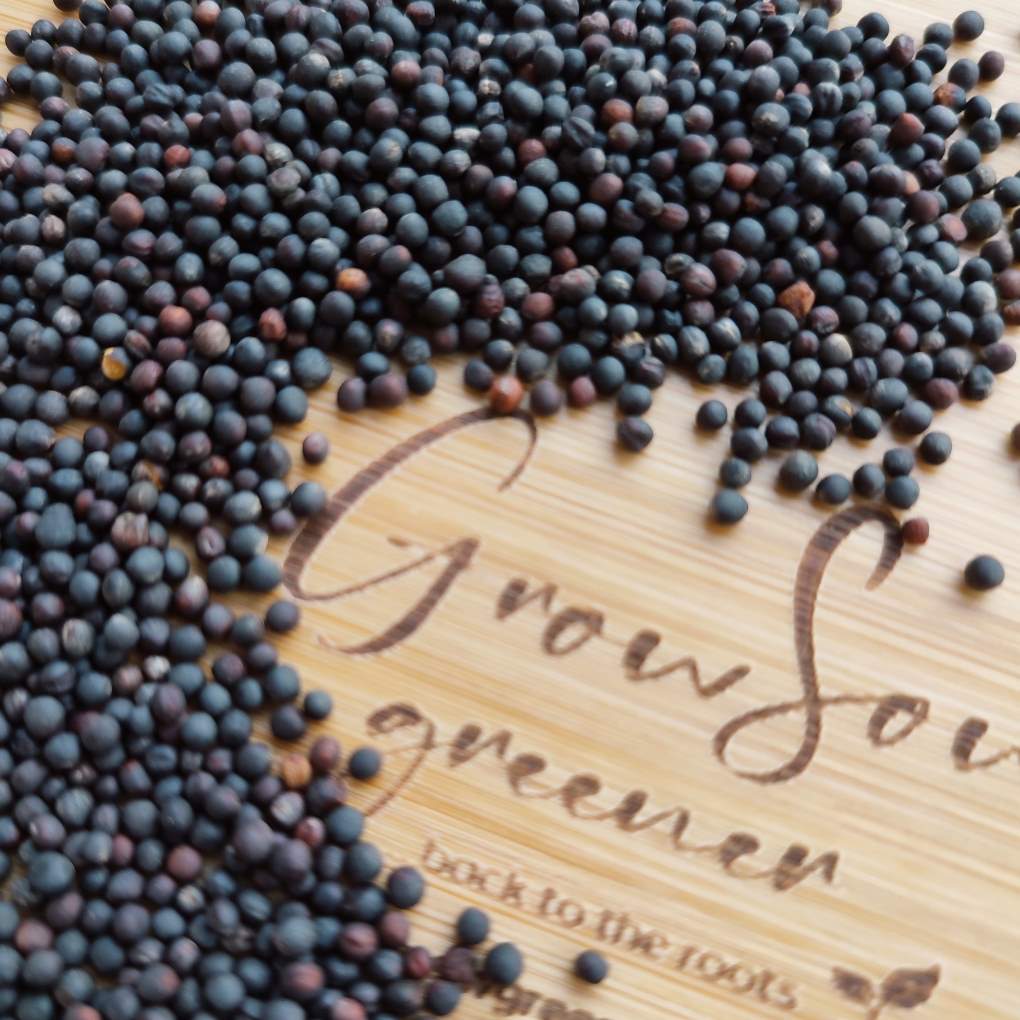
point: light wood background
(927, 873)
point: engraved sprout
(903, 988)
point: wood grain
(926, 874)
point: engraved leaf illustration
(906, 988)
(855, 987)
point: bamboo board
(603, 722)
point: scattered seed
(935, 448)
(472, 927)
(915, 531)
(365, 763)
(728, 507)
(984, 573)
(591, 966)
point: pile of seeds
(579, 196)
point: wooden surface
(926, 875)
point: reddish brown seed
(563, 258)
(728, 266)
(915, 531)
(674, 217)
(694, 149)
(295, 771)
(311, 832)
(605, 189)
(301, 981)
(79, 1011)
(798, 299)
(529, 150)
(490, 301)
(196, 299)
(358, 941)
(737, 150)
(952, 228)
(31, 935)
(537, 306)
(388, 390)
(923, 206)
(418, 963)
(126, 212)
(948, 94)
(123, 847)
(901, 50)
(324, 754)
(347, 1009)
(581, 392)
(1008, 283)
(941, 393)
(906, 129)
(184, 863)
(353, 281)
(740, 176)
(272, 325)
(315, 447)
(617, 111)
(175, 321)
(394, 929)
(206, 14)
(1015, 438)
(115, 363)
(10, 619)
(406, 74)
(1011, 313)
(505, 394)
(458, 964)
(698, 281)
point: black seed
(984, 573)
(902, 492)
(798, 471)
(472, 927)
(405, 887)
(750, 413)
(734, 473)
(503, 964)
(591, 966)
(712, 415)
(728, 506)
(869, 481)
(442, 997)
(633, 433)
(968, 26)
(935, 448)
(833, 489)
(898, 461)
(365, 763)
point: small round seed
(503, 964)
(591, 966)
(984, 573)
(915, 531)
(728, 507)
(935, 448)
